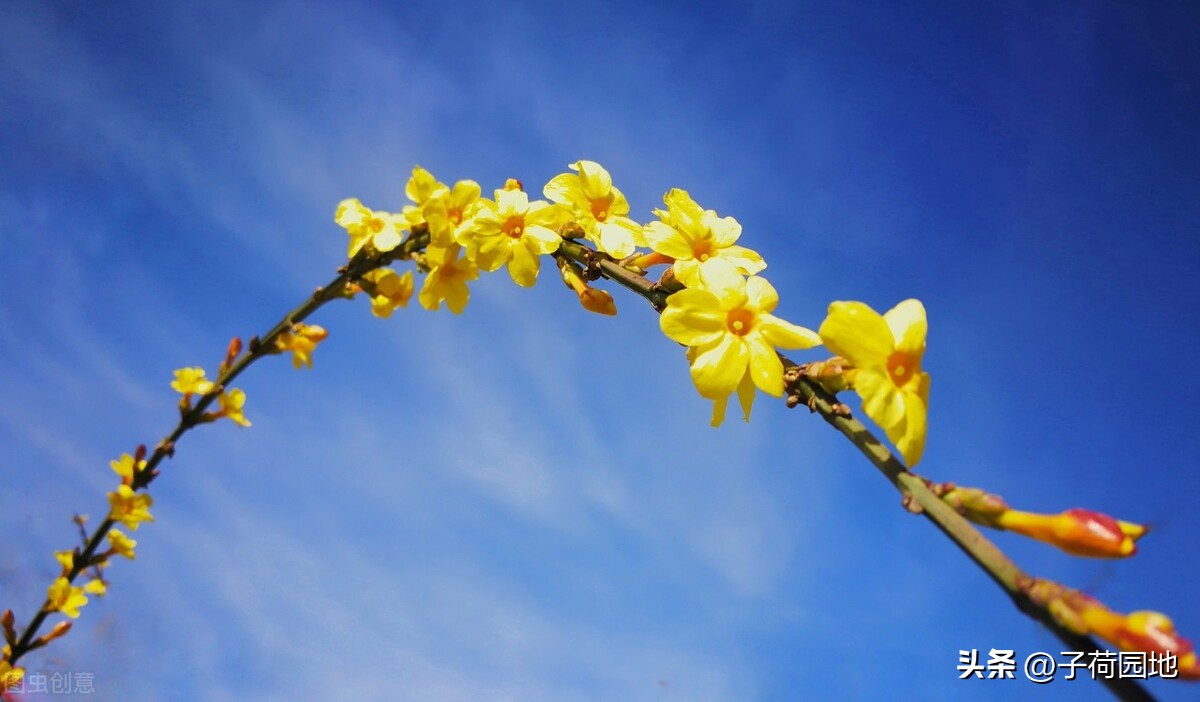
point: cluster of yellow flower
(723, 315)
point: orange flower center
(901, 367)
(375, 224)
(600, 208)
(514, 226)
(455, 215)
(702, 249)
(739, 321)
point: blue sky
(526, 502)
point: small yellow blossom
(382, 230)
(423, 187)
(734, 334)
(598, 207)
(449, 210)
(390, 290)
(121, 544)
(232, 403)
(126, 466)
(447, 279)
(10, 676)
(66, 559)
(702, 244)
(191, 381)
(512, 230)
(129, 508)
(65, 597)
(885, 352)
(302, 340)
(95, 586)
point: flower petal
(693, 318)
(785, 335)
(747, 260)
(564, 189)
(760, 294)
(667, 240)
(746, 391)
(857, 333)
(719, 367)
(614, 240)
(909, 327)
(882, 400)
(725, 230)
(765, 366)
(541, 240)
(594, 180)
(912, 442)
(523, 266)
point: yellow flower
(121, 543)
(734, 334)
(66, 559)
(191, 381)
(447, 279)
(702, 244)
(66, 598)
(232, 403)
(95, 587)
(10, 677)
(598, 207)
(422, 186)
(512, 230)
(382, 230)
(302, 340)
(449, 210)
(391, 290)
(129, 508)
(885, 353)
(126, 466)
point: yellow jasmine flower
(512, 230)
(129, 508)
(96, 586)
(423, 187)
(447, 279)
(382, 230)
(121, 543)
(734, 334)
(885, 353)
(302, 340)
(449, 210)
(65, 597)
(10, 676)
(191, 381)
(232, 403)
(598, 207)
(702, 244)
(126, 466)
(390, 290)
(66, 559)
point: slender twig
(999, 567)
(916, 493)
(259, 347)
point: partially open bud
(513, 184)
(598, 301)
(60, 629)
(1144, 631)
(1079, 532)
